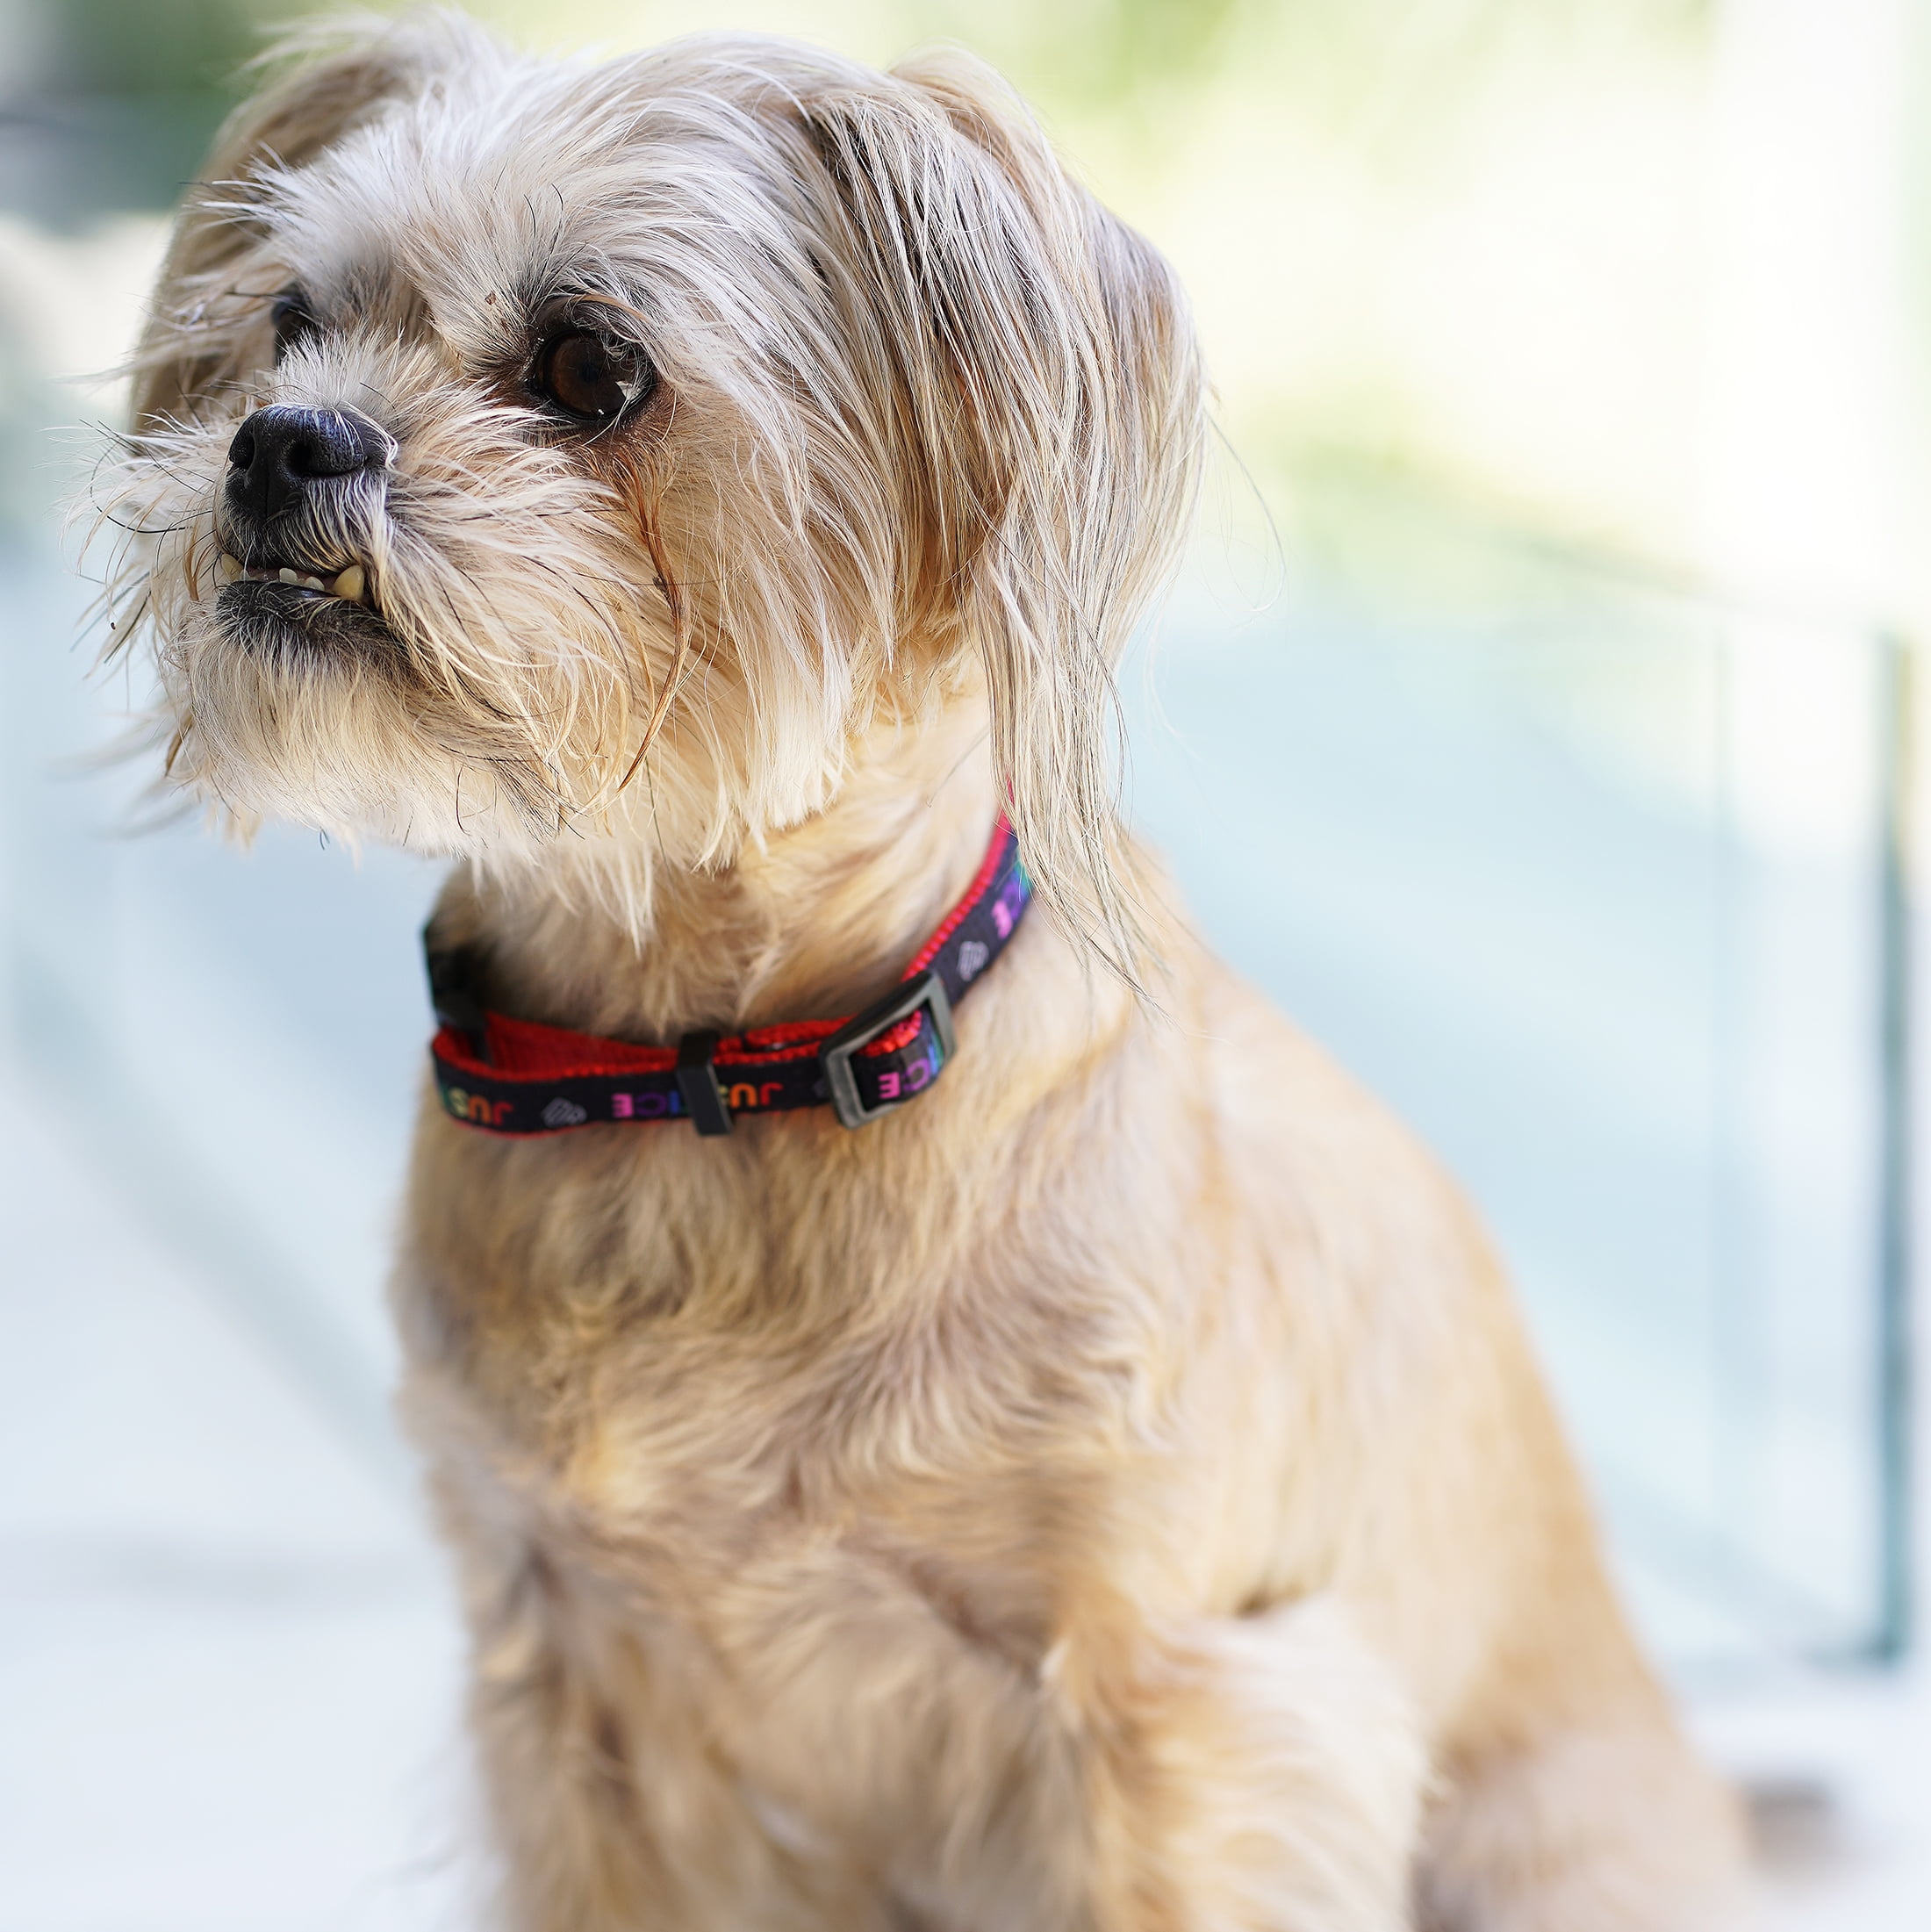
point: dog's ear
(327, 81)
(1047, 401)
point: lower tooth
(228, 568)
(288, 576)
(351, 584)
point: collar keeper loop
(698, 1084)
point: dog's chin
(288, 625)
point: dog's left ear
(1045, 391)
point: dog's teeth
(287, 575)
(228, 568)
(351, 584)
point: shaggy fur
(1113, 1493)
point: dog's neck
(815, 921)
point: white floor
(230, 1670)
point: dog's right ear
(326, 82)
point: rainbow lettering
(474, 1107)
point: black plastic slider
(698, 1082)
(452, 992)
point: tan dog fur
(1113, 1493)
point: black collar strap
(512, 1076)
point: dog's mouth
(349, 585)
(277, 606)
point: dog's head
(536, 456)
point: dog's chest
(778, 1612)
(794, 1479)
(751, 1486)
(689, 1354)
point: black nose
(279, 454)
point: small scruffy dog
(1075, 1464)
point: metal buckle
(836, 1055)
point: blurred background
(1534, 718)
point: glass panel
(1590, 880)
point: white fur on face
(926, 418)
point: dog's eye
(294, 320)
(591, 377)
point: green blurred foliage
(1128, 83)
(1102, 53)
(1087, 51)
(1382, 72)
(156, 47)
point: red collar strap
(516, 1077)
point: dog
(948, 1416)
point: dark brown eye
(294, 320)
(591, 379)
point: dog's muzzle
(302, 487)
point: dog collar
(512, 1076)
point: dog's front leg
(613, 1810)
(1257, 1774)
(557, 1736)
